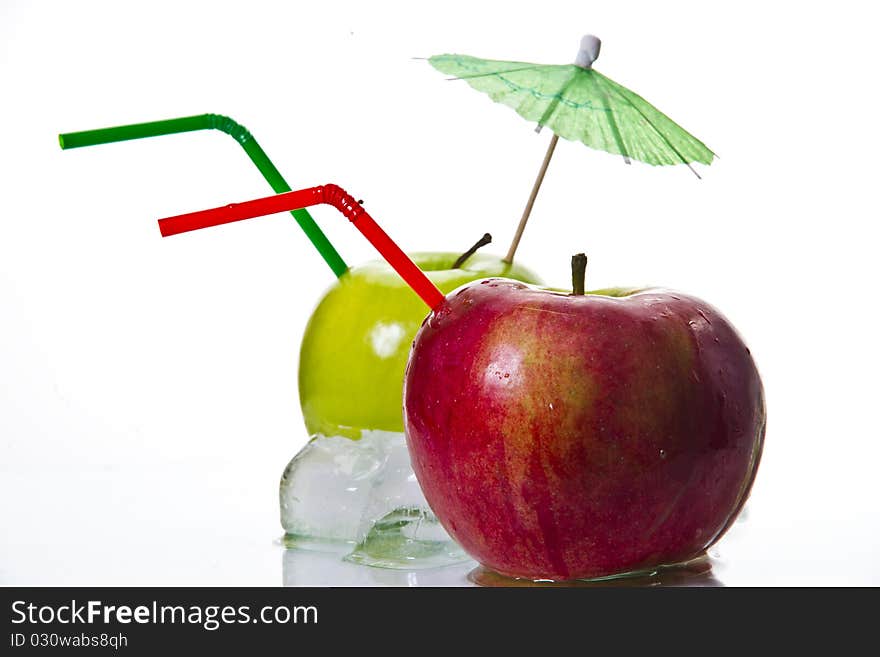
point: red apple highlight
(561, 436)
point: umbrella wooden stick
(528, 210)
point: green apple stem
(578, 273)
(483, 241)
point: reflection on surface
(697, 572)
(307, 568)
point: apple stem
(578, 273)
(483, 241)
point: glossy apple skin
(356, 343)
(568, 437)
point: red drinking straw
(303, 198)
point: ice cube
(325, 490)
(395, 487)
(399, 529)
(338, 494)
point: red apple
(561, 436)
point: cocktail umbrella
(580, 104)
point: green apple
(357, 341)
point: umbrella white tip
(588, 52)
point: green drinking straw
(236, 131)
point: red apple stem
(483, 241)
(578, 273)
(295, 200)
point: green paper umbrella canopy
(579, 104)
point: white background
(148, 395)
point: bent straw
(331, 195)
(236, 131)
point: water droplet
(551, 406)
(662, 453)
